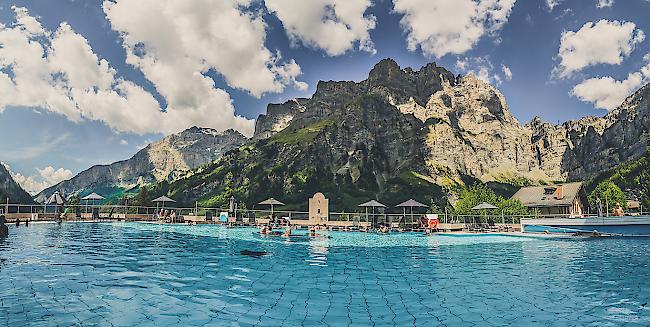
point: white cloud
(482, 68)
(450, 26)
(174, 43)
(604, 42)
(604, 3)
(607, 92)
(507, 73)
(46, 177)
(551, 4)
(124, 142)
(53, 176)
(334, 26)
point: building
(563, 199)
(318, 209)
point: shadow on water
(253, 254)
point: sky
(86, 82)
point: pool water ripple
(129, 274)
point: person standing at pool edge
(4, 230)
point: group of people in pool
(4, 230)
(267, 230)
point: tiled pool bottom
(146, 275)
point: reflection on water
(318, 249)
(138, 274)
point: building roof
(633, 204)
(549, 195)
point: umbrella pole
(366, 213)
(412, 217)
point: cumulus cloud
(483, 69)
(604, 42)
(174, 43)
(607, 92)
(334, 26)
(551, 4)
(507, 73)
(604, 3)
(45, 178)
(450, 26)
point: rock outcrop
(164, 160)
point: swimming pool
(132, 274)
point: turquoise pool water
(129, 274)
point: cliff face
(582, 149)
(405, 133)
(10, 189)
(618, 137)
(164, 160)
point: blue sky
(100, 79)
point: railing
(250, 215)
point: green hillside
(633, 177)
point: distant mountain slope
(403, 133)
(633, 177)
(10, 189)
(163, 160)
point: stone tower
(318, 209)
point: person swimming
(312, 231)
(4, 230)
(287, 232)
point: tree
(74, 200)
(470, 197)
(609, 194)
(142, 199)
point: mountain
(403, 133)
(583, 149)
(10, 189)
(164, 160)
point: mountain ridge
(165, 159)
(378, 137)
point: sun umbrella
(484, 206)
(410, 203)
(271, 202)
(56, 198)
(372, 204)
(163, 199)
(92, 197)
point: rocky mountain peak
(385, 70)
